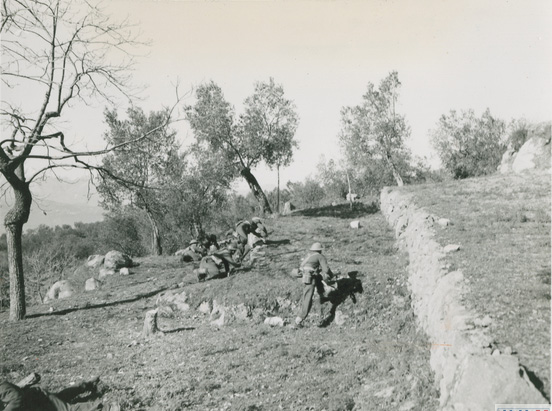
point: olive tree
(263, 133)
(374, 131)
(469, 145)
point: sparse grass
(503, 226)
(245, 365)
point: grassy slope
(377, 358)
(503, 226)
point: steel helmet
(256, 219)
(193, 242)
(316, 247)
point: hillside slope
(370, 357)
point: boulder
(91, 284)
(533, 154)
(204, 307)
(60, 289)
(174, 300)
(451, 248)
(104, 272)
(94, 261)
(124, 271)
(274, 321)
(355, 224)
(443, 222)
(115, 260)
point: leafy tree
(198, 194)
(468, 145)
(307, 194)
(270, 120)
(264, 132)
(54, 53)
(139, 172)
(333, 179)
(374, 131)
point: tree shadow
(278, 242)
(340, 210)
(176, 330)
(345, 288)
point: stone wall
(470, 375)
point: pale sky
(448, 54)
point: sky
(448, 55)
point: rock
(443, 222)
(174, 300)
(355, 224)
(513, 386)
(241, 312)
(204, 307)
(274, 321)
(60, 289)
(91, 284)
(94, 261)
(483, 322)
(340, 318)
(221, 320)
(124, 271)
(533, 154)
(115, 260)
(288, 208)
(104, 272)
(451, 248)
(508, 351)
(496, 352)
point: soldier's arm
(324, 268)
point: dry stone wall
(470, 376)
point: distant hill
(58, 203)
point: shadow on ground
(358, 209)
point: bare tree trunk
(394, 170)
(257, 190)
(156, 247)
(349, 184)
(14, 221)
(278, 190)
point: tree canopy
(264, 132)
(374, 131)
(468, 145)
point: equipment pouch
(307, 277)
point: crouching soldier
(210, 266)
(314, 269)
(193, 252)
(259, 229)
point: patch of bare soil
(371, 356)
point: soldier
(314, 268)
(210, 266)
(31, 398)
(193, 252)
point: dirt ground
(371, 357)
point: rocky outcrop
(115, 260)
(60, 289)
(469, 377)
(533, 154)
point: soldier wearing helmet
(193, 252)
(314, 268)
(211, 265)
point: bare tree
(55, 53)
